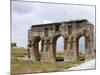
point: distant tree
(13, 45)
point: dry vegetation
(27, 66)
(18, 52)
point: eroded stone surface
(48, 34)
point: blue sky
(25, 14)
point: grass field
(18, 52)
(27, 66)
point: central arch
(58, 42)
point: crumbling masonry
(48, 34)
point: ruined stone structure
(48, 34)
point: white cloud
(46, 21)
(25, 14)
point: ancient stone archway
(88, 43)
(60, 49)
(54, 40)
(48, 34)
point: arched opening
(40, 45)
(81, 48)
(58, 48)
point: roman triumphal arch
(71, 31)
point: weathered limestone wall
(49, 33)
